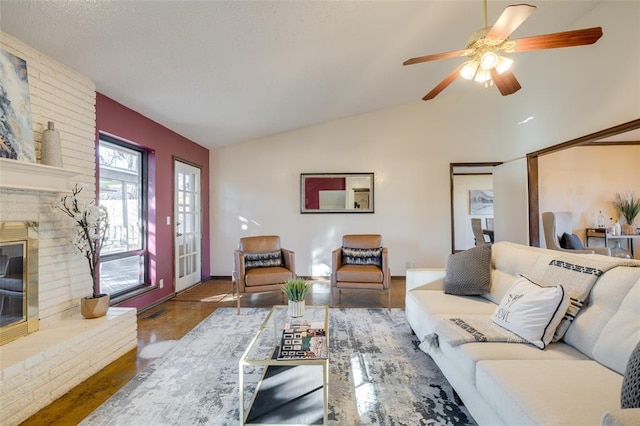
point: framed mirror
(336, 193)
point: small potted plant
(629, 208)
(92, 224)
(296, 290)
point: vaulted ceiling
(222, 72)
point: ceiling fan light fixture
(489, 60)
(469, 69)
(503, 64)
(483, 75)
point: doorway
(188, 225)
(467, 181)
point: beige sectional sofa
(576, 381)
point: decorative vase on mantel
(50, 149)
(94, 307)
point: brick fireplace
(38, 368)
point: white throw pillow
(531, 311)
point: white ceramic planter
(296, 308)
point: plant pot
(296, 308)
(628, 229)
(94, 307)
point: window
(122, 190)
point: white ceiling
(222, 72)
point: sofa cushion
(549, 392)
(362, 256)
(360, 273)
(263, 260)
(423, 307)
(469, 272)
(465, 357)
(571, 242)
(630, 393)
(264, 276)
(508, 260)
(531, 311)
(601, 324)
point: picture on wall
(481, 201)
(16, 129)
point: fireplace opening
(18, 280)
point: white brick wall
(67, 98)
(41, 367)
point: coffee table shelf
(288, 391)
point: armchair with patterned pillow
(360, 264)
(261, 265)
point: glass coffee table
(289, 390)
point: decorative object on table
(296, 290)
(92, 224)
(50, 148)
(16, 132)
(601, 220)
(629, 207)
(618, 251)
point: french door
(188, 225)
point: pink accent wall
(116, 120)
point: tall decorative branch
(92, 224)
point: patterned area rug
(378, 376)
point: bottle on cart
(601, 220)
(612, 227)
(618, 228)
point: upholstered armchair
(360, 264)
(555, 225)
(261, 265)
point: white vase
(296, 308)
(50, 149)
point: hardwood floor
(162, 325)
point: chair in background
(360, 264)
(489, 223)
(555, 225)
(261, 265)
(478, 234)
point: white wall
(409, 147)
(510, 206)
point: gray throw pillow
(571, 241)
(469, 272)
(630, 394)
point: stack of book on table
(306, 340)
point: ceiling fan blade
(506, 82)
(443, 84)
(511, 18)
(563, 39)
(433, 57)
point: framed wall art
(16, 129)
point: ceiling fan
(484, 48)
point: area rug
(378, 375)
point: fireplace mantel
(36, 177)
